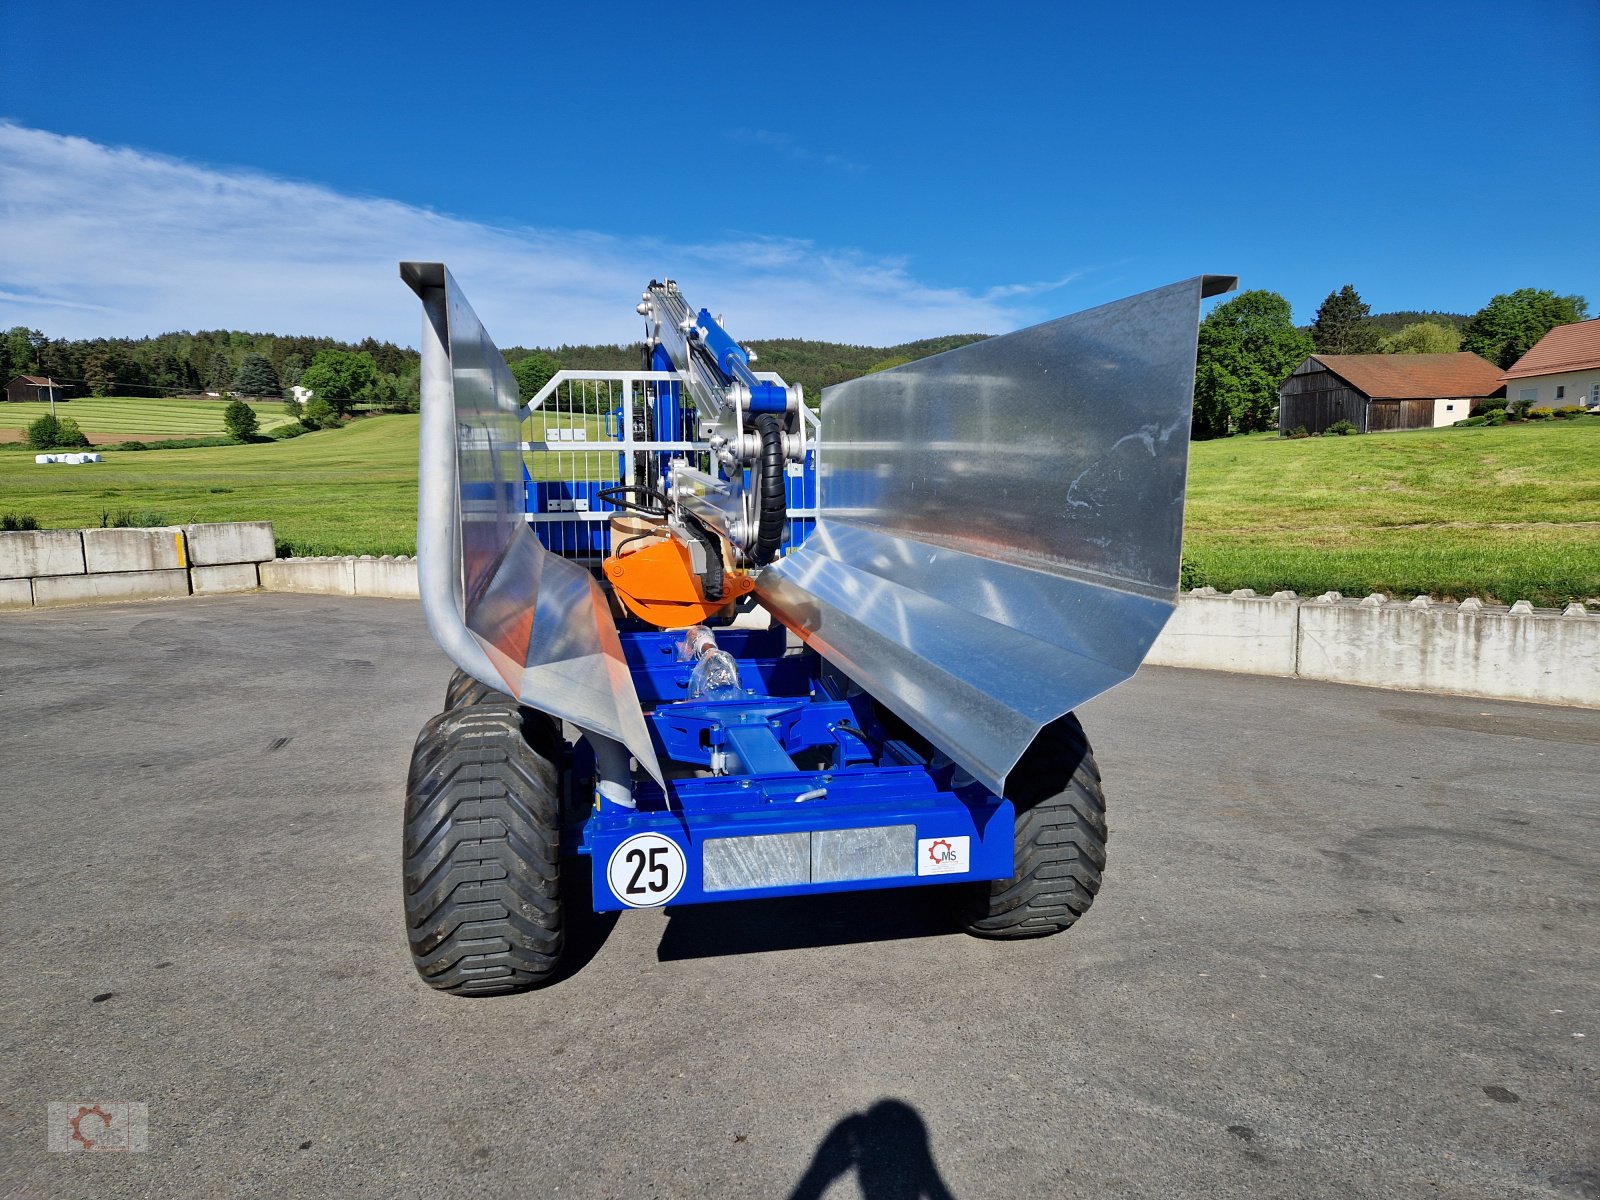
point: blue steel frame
(796, 755)
(803, 752)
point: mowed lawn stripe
(137, 417)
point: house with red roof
(1381, 392)
(1562, 369)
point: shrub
(318, 414)
(1539, 414)
(175, 444)
(16, 522)
(50, 432)
(128, 518)
(284, 432)
(1497, 417)
(1298, 432)
(1570, 410)
(1470, 423)
(240, 420)
(71, 436)
(42, 434)
(1342, 429)
(1492, 404)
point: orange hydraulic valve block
(657, 583)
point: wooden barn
(1380, 392)
(35, 388)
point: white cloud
(109, 241)
(1007, 291)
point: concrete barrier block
(124, 550)
(230, 542)
(34, 552)
(224, 577)
(1468, 651)
(16, 593)
(328, 576)
(386, 576)
(110, 586)
(1248, 634)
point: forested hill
(813, 365)
(208, 360)
(816, 365)
(1394, 322)
(211, 360)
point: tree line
(373, 373)
(184, 362)
(1250, 344)
(1247, 347)
(813, 365)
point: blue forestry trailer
(711, 646)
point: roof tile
(1564, 348)
(1415, 376)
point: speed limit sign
(646, 870)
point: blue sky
(858, 172)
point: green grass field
(344, 491)
(1506, 513)
(339, 491)
(136, 418)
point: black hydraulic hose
(771, 499)
(614, 497)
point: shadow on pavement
(587, 930)
(797, 922)
(887, 1147)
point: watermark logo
(103, 1126)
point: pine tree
(219, 372)
(256, 377)
(1341, 325)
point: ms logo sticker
(943, 856)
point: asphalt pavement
(1348, 945)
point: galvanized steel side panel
(736, 864)
(878, 852)
(504, 609)
(1000, 526)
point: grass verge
(1507, 513)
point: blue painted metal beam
(928, 830)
